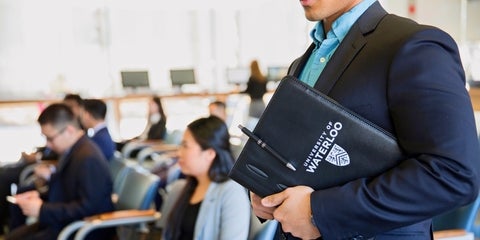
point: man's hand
(292, 209)
(30, 203)
(260, 210)
(32, 157)
(44, 171)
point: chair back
(138, 190)
(119, 170)
(460, 218)
(266, 231)
(174, 137)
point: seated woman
(207, 204)
(155, 131)
(157, 121)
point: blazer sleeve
(433, 120)
(89, 192)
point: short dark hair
(219, 104)
(58, 115)
(74, 97)
(95, 107)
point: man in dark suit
(408, 79)
(79, 186)
(93, 119)
(10, 173)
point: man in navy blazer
(79, 186)
(93, 119)
(408, 79)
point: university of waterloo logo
(326, 149)
(338, 156)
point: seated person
(155, 130)
(10, 173)
(79, 186)
(75, 102)
(157, 121)
(207, 204)
(219, 109)
(93, 119)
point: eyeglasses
(52, 138)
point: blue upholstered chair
(460, 218)
(133, 208)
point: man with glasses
(10, 173)
(79, 185)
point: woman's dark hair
(158, 101)
(210, 132)
(256, 73)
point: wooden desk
(475, 98)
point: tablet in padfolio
(326, 144)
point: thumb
(273, 200)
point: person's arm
(92, 188)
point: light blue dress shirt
(325, 47)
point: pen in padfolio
(267, 148)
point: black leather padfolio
(327, 144)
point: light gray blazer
(224, 214)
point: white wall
(52, 46)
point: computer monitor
(135, 79)
(181, 77)
(276, 73)
(238, 75)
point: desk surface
(220, 95)
(475, 98)
(474, 95)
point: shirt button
(322, 60)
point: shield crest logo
(338, 156)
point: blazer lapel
(345, 53)
(206, 209)
(349, 47)
(294, 69)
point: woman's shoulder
(229, 186)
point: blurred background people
(10, 173)
(156, 128)
(207, 204)
(75, 102)
(79, 185)
(256, 88)
(93, 119)
(219, 109)
(156, 123)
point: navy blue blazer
(80, 187)
(408, 79)
(104, 141)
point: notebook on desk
(324, 143)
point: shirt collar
(342, 25)
(92, 131)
